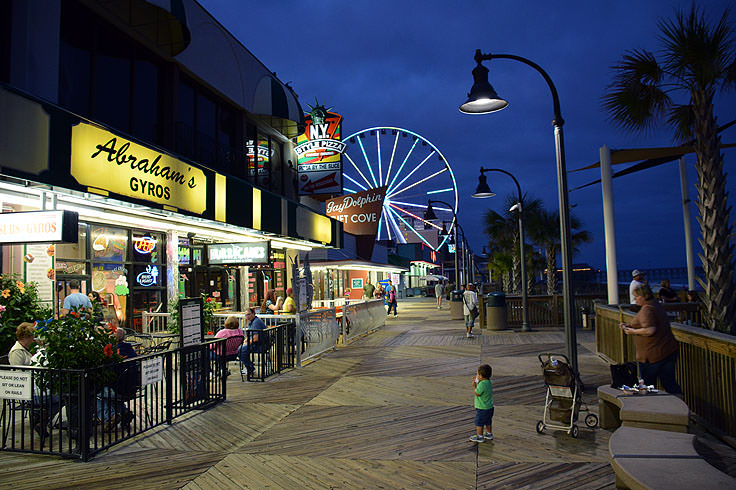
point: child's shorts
(483, 417)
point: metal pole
(609, 225)
(566, 250)
(457, 271)
(564, 204)
(690, 256)
(524, 289)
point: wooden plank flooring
(391, 410)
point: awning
(355, 265)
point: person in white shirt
(470, 306)
(638, 281)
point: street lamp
(483, 99)
(484, 191)
(429, 215)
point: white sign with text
(152, 370)
(15, 385)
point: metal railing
(269, 320)
(79, 413)
(154, 322)
(706, 366)
(361, 318)
(276, 350)
(319, 332)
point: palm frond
(682, 120)
(636, 97)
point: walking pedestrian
(439, 292)
(391, 298)
(470, 308)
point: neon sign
(148, 277)
(144, 245)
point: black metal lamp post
(483, 99)
(484, 191)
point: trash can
(456, 305)
(496, 311)
(588, 319)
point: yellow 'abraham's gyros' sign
(105, 161)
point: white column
(609, 225)
(688, 232)
(172, 266)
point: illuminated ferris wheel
(413, 171)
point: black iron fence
(78, 413)
(272, 351)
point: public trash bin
(456, 305)
(588, 319)
(496, 311)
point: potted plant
(77, 342)
(208, 314)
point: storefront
(146, 219)
(345, 279)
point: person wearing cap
(289, 304)
(639, 280)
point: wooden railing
(547, 311)
(706, 367)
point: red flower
(209, 332)
(209, 300)
(112, 327)
(108, 350)
(75, 314)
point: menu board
(190, 316)
(39, 268)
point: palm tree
(696, 61)
(543, 228)
(501, 233)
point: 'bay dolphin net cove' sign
(238, 253)
(359, 212)
(319, 153)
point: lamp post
(483, 191)
(429, 215)
(483, 99)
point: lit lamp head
(482, 98)
(483, 190)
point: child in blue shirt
(483, 405)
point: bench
(651, 411)
(653, 459)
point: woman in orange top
(656, 347)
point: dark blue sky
(408, 64)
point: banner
(360, 212)
(319, 153)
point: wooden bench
(651, 411)
(654, 459)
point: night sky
(408, 64)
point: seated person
(123, 348)
(268, 306)
(45, 405)
(667, 294)
(232, 329)
(254, 342)
(289, 304)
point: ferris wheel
(413, 171)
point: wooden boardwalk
(392, 410)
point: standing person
(439, 292)
(289, 304)
(391, 298)
(368, 289)
(483, 390)
(253, 343)
(470, 306)
(656, 347)
(75, 299)
(638, 280)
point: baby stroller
(564, 396)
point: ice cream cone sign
(122, 291)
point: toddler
(483, 405)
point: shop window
(147, 247)
(74, 251)
(75, 64)
(111, 80)
(185, 120)
(148, 276)
(108, 243)
(111, 282)
(206, 130)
